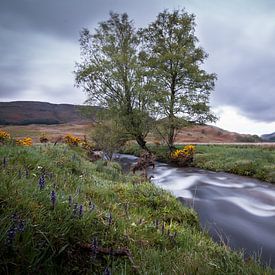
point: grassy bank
(253, 161)
(62, 213)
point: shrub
(27, 141)
(183, 156)
(72, 140)
(43, 138)
(4, 136)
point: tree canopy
(112, 76)
(155, 72)
(174, 62)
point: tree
(173, 61)
(109, 137)
(112, 76)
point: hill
(209, 133)
(268, 137)
(35, 112)
(33, 118)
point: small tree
(173, 61)
(109, 137)
(112, 76)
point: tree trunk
(142, 143)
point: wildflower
(91, 206)
(53, 198)
(11, 235)
(41, 182)
(24, 142)
(21, 226)
(94, 246)
(107, 271)
(4, 136)
(27, 173)
(70, 201)
(80, 210)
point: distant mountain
(209, 133)
(35, 112)
(268, 137)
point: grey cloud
(38, 47)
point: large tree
(173, 60)
(112, 76)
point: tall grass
(63, 214)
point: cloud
(39, 45)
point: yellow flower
(24, 142)
(4, 136)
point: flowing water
(238, 211)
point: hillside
(62, 214)
(35, 112)
(33, 118)
(208, 133)
(268, 137)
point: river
(238, 211)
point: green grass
(161, 234)
(257, 162)
(253, 161)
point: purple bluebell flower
(80, 210)
(107, 271)
(14, 218)
(27, 173)
(70, 201)
(94, 247)
(11, 235)
(21, 226)
(42, 182)
(53, 198)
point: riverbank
(62, 214)
(245, 160)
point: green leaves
(150, 73)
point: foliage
(173, 62)
(109, 137)
(44, 138)
(111, 74)
(27, 141)
(183, 156)
(4, 136)
(72, 140)
(81, 210)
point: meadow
(61, 212)
(246, 160)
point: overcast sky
(39, 47)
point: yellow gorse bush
(27, 141)
(4, 136)
(72, 140)
(184, 153)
